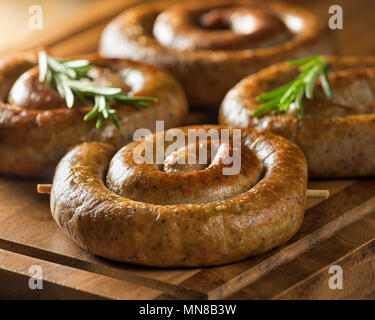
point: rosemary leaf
(92, 88)
(127, 98)
(91, 114)
(99, 122)
(56, 66)
(280, 99)
(114, 119)
(76, 63)
(267, 106)
(310, 80)
(67, 76)
(43, 66)
(298, 101)
(298, 62)
(67, 91)
(325, 84)
(274, 93)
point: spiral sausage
(148, 214)
(36, 128)
(337, 137)
(211, 45)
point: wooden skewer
(46, 189)
(317, 193)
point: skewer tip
(317, 193)
(44, 188)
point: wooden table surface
(28, 236)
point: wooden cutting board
(29, 236)
(337, 231)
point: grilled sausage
(144, 213)
(36, 129)
(211, 45)
(337, 137)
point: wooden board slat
(319, 224)
(320, 257)
(22, 209)
(61, 282)
(358, 267)
(341, 247)
(334, 186)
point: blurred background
(74, 26)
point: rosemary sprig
(280, 99)
(67, 76)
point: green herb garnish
(67, 76)
(280, 99)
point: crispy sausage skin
(144, 214)
(36, 129)
(337, 137)
(211, 45)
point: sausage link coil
(337, 137)
(36, 128)
(211, 45)
(151, 214)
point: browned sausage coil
(36, 128)
(181, 215)
(211, 45)
(337, 137)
